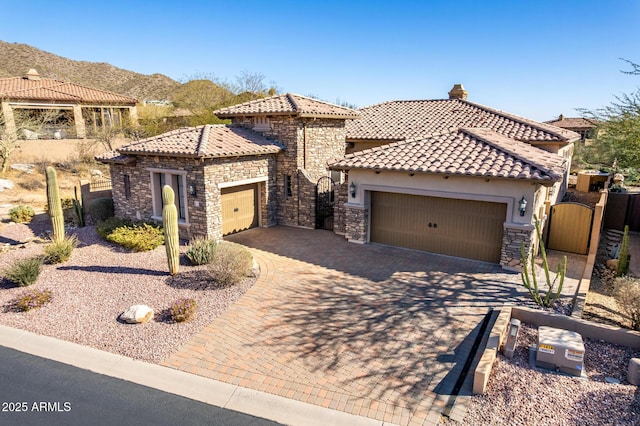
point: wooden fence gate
(622, 209)
(570, 227)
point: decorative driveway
(370, 330)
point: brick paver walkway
(370, 330)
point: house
(66, 110)
(446, 176)
(583, 126)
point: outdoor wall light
(522, 206)
(192, 189)
(352, 190)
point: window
(177, 180)
(287, 186)
(127, 187)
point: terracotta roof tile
(468, 151)
(402, 120)
(208, 141)
(288, 104)
(19, 88)
(573, 123)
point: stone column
(133, 115)
(514, 234)
(9, 120)
(357, 223)
(81, 131)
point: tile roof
(467, 151)
(208, 141)
(288, 104)
(49, 89)
(573, 123)
(401, 120)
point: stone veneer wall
(511, 257)
(357, 224)
(203, 210)
(339, 211)
(310, 145)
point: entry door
(239, 208)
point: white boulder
(27, 168)
(137, 314)
(5, 184)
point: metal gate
(324, 203)
(570, 227)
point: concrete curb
(232, 397)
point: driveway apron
(370, 330)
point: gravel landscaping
(518, 394)
(98, 283)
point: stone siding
(339, 211)
(510, 256)
(357, 224)
(204, 213)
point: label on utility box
(547, 349)
(574, 355)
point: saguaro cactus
(55, 206)
(170, 224)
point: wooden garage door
(462, 228)
(239, 208)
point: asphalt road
(38, 391)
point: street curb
(198, 388)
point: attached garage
(239, 208)
(462, 228)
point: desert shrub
(34, 184)
(21, 214)
(106, 227)
(101, 209)
(200, 250)
(24, 272)
(60, 251)
(34, 298)
(137, 236)
(229, 264)
(627, 295)
(182, 310)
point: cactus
(531, 282)
(170, 224)
(55, 205)
(78, 207)
(623, 257)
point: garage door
(462, 228)
(239, 208)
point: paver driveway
(370, 330)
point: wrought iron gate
(324, 203)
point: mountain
(16, 59)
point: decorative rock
(5, 184)
(612, 380)
(27, 168)
(137, 314)
(612, 264)
(633, 374)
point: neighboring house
(66, 110)
(446, 176)
(583, 126)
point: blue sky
(532, 58)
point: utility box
(560, 350)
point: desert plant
(170, 225)
(54, 205)
(623, 257)
(106, 227)
(34, 298)
(627, 295)
(182, 310)
(21, 214)
(32, 184)
(530, 280)
(137, 236)
(24, 272)
(60, 251)
(200, 250)
(78, 208)
(229, 264)
(101, 209)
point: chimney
(32, 74)
(458, 92)
(561, 117)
